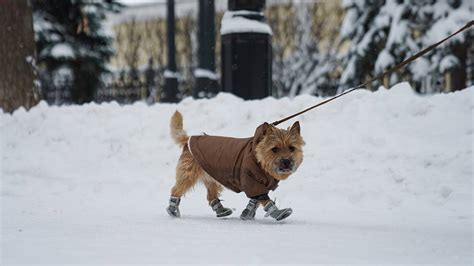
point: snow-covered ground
(386, 179)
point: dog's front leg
(272, 210)
(268, 205)
(249, 212)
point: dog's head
(279, 151)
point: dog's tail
(178, 134)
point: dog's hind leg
(214, 190)
(187, 174)
(184, 182)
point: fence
(123, 86)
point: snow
(399, 29)
(349, 70)
(386, 179)
(62, 50)
(233, 22)
(420, 68)
(449, 22)
(384, 61)
(448, 62)
(145, 11)
(347, 27)
(62, 75)
(171, 74)
(205, 73)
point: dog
(254, 165)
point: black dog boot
(220, 210)
(274, 212)
(173, 209)
(249, 212)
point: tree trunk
(17, 52)
(459, 75)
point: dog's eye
(274, 149)
(292, 149)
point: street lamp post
(206, 78)
(170, 90)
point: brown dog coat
(232, 162)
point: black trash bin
(246, 52)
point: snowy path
(134, 234)
(387, 179)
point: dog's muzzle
(286, 166)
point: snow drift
(387, 178)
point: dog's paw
(247, 214)
(224, 213)
(284, 213)
(173, 211)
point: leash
(389, 71)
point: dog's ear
(261, 131)
(267, 128)
(295, 128)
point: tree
(450, 60)
(365, 37)
(384, 33)
(303, 47)
(69, 35)
(16, 56)
(312, 69)
(132, 40)
(283, 24)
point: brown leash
(389, 71)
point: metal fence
(126, 93)
(123, 86)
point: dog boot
(274, 212)
(220, 210)
(173, 209)
(249, 212)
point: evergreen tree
(444, 18)
(306, 56)
(72, 44)
(384, 33)
(365, 37)
(311, 68)
(307, 69)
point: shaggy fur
(275, 146)
(278, 144)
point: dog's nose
(286, 163)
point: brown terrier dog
(254, 165)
